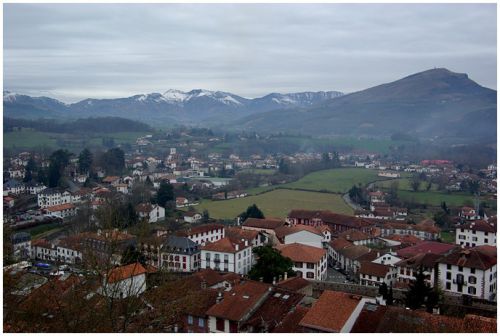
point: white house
(192, 217)
(309, 262)
(303, 234)
(408, 269)
(180, 254)
(205, 233)
(152, 212)
(373, 274)
(62, 210)
(124, 281)
(477, 233)
(13, 187)
(470, 271)
(227, 255)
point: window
(448, 276)
(219, 324)
(486, 240)
(201, 322)
(190, 320)
(472, 279)
(448, 285)
(472, 290)
(310, 275)
(448, 267)
(460, 269)
(310, 265)
(298, 264)
(233, 327)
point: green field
(276, 203)
(431, 197)
(448, 236)
(258, 171)
(338, 180)
(28, 139)
(32, 139)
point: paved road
(349, 202)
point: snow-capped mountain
(172, 105)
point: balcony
(460, 282)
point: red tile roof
(302, 253)
(340, 243)
(61, 207)
(226, 245)
(354, 235)
(240, 300)
(331, 311)
(210, 277)
(124, 272)
(200, 229)
(425, 247)
(290, 323)
(267, 223)
(481, 257)
(480, 225)
(370, 268)
(294, 283)
(405, 239)
(238, 233)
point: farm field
(431, 197)
(276, 203)
(259, 171)
(338, 180)
(28, 139)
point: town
(178, 232)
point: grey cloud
(75, 51)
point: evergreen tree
(270, 264)
(58, 162)
(205, 217)
(252, 212)
(148, 182)
(165, 194)
(390, 297)
(114, 161)
(418, 291)
(29, 170)
(85, 161)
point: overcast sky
(72, 52)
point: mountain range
(435, 103)
(173, 106)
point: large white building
(477, 233)
(152, 212)
(180, 254)
(203, 234)
(309, 262)
(470, 271)
(227, 255)
(302, 234)
(53, 196)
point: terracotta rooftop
(294, 283)
(354, 252)
(340, 243)
(481, 257)
(110, 179)
(405, 239)
(267, 223)
(124, 272)
(238, 233)
(210, 277)
(422, 259)
(276, 306)
(480, 225)
(226, 245)
(307, 214)
(354, 235)
(370, 268)
(61, 207)
(331, 311)
(290, 323)
(240, 300)
(425, 247)
(302, 253)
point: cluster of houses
(379, 209)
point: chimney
(246, 242)
(237, 247)
(176, 328)
(219, 298)
(280, 278)
(203, 284)
(99, 232)
(286, 276)
(274, 280)
(378, 254)
(261, 279)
